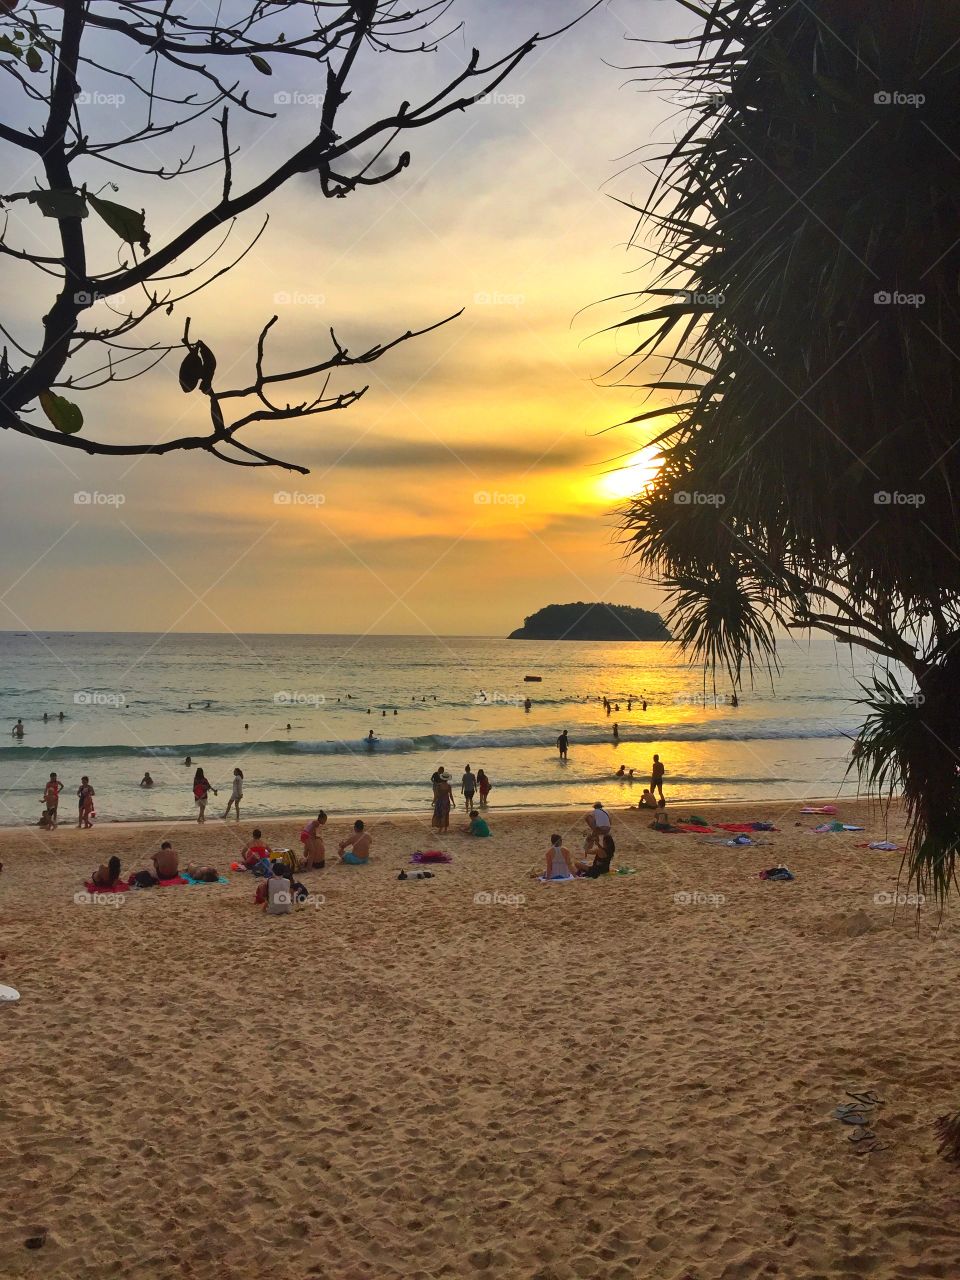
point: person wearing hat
(598, 825)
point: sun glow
(636, 474)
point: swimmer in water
(188, 762)
(371, 740)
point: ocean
(293, 713)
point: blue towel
(190, 879)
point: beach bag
(144, 880)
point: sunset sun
(637, 471)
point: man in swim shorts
(355, 851)
(166, 862)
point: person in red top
(85, 794)
(51, 802)
(201, 789)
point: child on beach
(51, 801)
(477, 825)
(236, 795)
(85, 794)
(255, 855)
(201, 790)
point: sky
(475, 481)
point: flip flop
(863, 1135)
(874, 1146)
(853, 1117)
(867, 1099)
(848, 1108)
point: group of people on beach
(51, 803)
(471, 784)
(598, 850)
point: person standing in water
(51, 800)
(85, 794)
(236, 795)
(468, 787)
(17, 731)
(483, 787)
(201, 790)
(616, 731)
(563, 742)
(656, 777)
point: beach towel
(746, 826)
(556, 879)
(695, 827)
(886, 845)
(836, 826)
(166, 884)
(430, 855)
(190, 880)
(822, 808)
(120, 887)
(625, 871)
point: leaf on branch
(64, 415)
(8, 46)
(208, 365)
(34, 61)
(191, 371)
(262, 65)
(54, 203)
(126, 223)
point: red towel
(747, 827)
(693, 826)
(176, 880)
(120, 887)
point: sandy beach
(600, 1079)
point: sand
(597, 1081)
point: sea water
(127, 709)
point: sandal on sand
(867, 1099)
(854, 1116)
(871, 1147)
(863, 1135)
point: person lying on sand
(314, 853)
(166, 862)
(355, 851)
(600, 866)
(106, 876)
(210, 875)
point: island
(582, 621)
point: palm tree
(804, 325)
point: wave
(531, 736)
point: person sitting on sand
(107, 876)
(166, 862)
(600, 865)
(647, 800)
(355, 850)
(255, 854)
(146, 781)
(209, 875)
(477, 826)
(314, 853)
(558, 864)
(598, 824)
